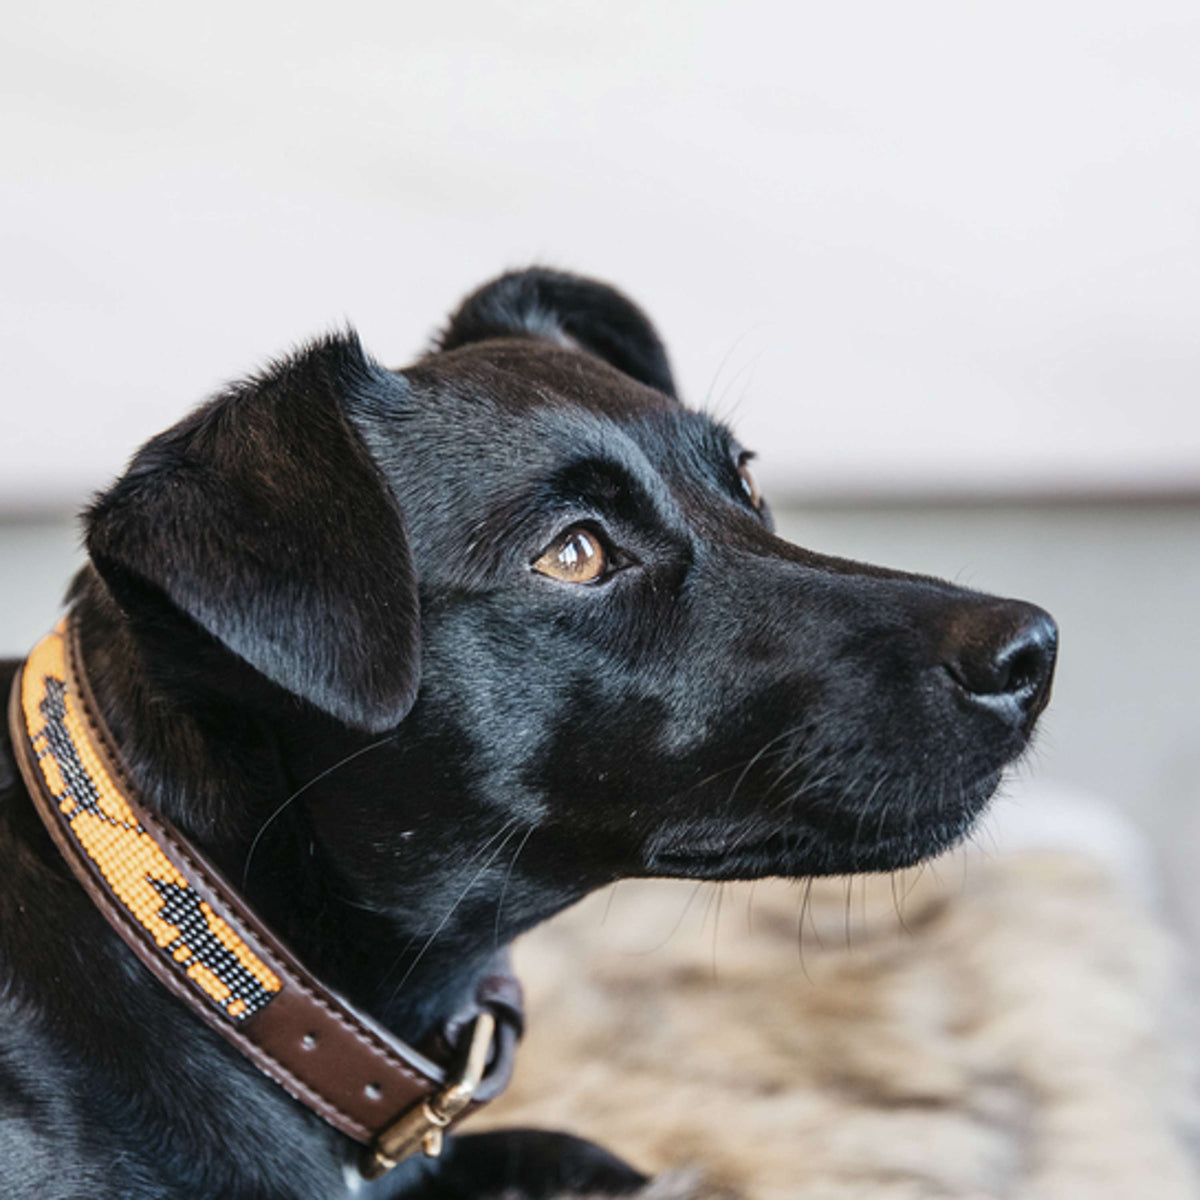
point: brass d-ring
(421, 1127)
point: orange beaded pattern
(194, 939)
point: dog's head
(557, 594)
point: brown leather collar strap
(192, 930)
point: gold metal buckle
(422, 1126)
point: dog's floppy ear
(557, 306)
(263, 518)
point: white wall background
(921, 246)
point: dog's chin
(807, 850)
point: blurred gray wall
(929, 246)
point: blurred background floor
(1123, 582)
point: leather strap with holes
(193, 931)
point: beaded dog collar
(192, 930)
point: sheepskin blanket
(990, 1027)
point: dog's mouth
(869, 841)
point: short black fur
(313, 626)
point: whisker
(674, 928)
(734, 345)
(897, 904)
(913, 883)
(717, 929)
(300, 792)
(712, 892)
(807, 788)
(804, 910)
(745, 765)
(745, 373)
(695, 787)
(755, 760)
(504, 886)
(608, 902)
(798, 762)
(864, 812)
(511, 828)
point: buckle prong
(421, 1127)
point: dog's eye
(575, 556)
(748, 484)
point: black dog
(421, 658)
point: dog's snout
(1002, 656)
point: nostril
(1022, 670)
(1004, 654)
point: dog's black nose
(1002, 656)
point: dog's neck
(241, 785)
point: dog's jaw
(800, 851)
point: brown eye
(576, 556)
(748, 484)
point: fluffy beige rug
(1009, 1036)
